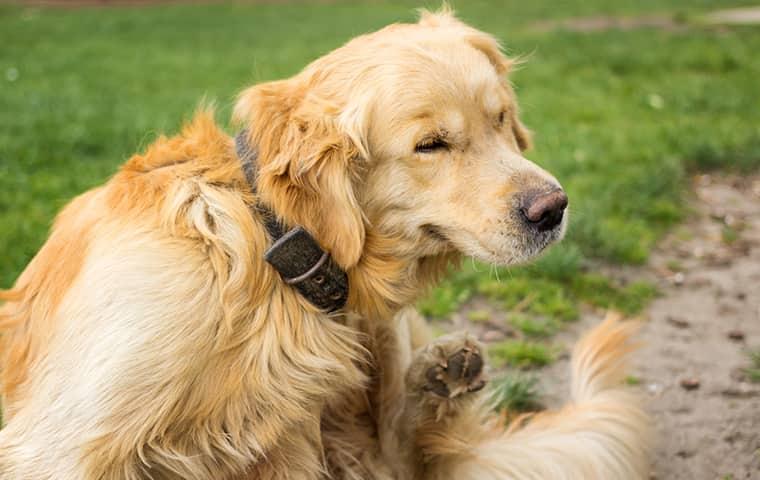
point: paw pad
(459, 373)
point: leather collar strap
(294, 253)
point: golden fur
(149, 339)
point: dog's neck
(294, 253)
(383, 282)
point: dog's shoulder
(201, 154)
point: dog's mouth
(500, 248)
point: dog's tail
(602, 434)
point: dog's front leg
(443, 404)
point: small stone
(685, 453)
(736, 335)
(741, 296)
(733, 437)
(690, 383)
(678, 322)
(678, 278)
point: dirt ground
(698, 332)
(716, 18)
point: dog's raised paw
(457, 373)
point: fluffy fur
(148, 338)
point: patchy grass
(478, 316)
(521, 354)
(516, 393)
(729, 235)
(753, 370)
(535, 291)
(534, 327)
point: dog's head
(410, 133)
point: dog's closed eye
(431, 144)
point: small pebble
(690, 383)
(685, 453)
(678, 322)
(736, 335)
(678, 278)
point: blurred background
(647, 111)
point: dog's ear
(309, 155)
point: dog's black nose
(544, 210)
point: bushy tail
(603, 434)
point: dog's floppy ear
(308, 160)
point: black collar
(294, 253)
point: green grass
(553, 288)
(516, 393)
(620, 117)
(534, 327)
(753, 370)
(521, 354)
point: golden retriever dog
(150, 338)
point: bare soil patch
(735, 16)
(601, 23)
(142, 3)
(675, 22)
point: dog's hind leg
(444, 385)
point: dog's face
(421, 142)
